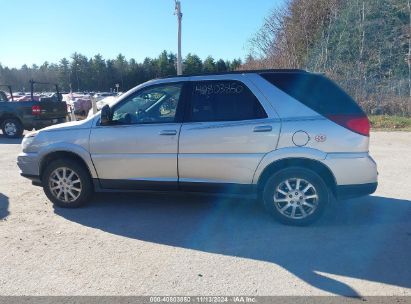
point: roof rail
(239, 72)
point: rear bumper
(355, 174)
(352, 168)
(351, 191)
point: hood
(82, 124)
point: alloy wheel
(296, 198)
(65, 184)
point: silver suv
(292, 137)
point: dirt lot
(192, 245)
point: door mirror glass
(105, 115)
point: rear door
(226, 132)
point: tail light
(355, 123)
(36, 110)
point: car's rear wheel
(12, 128)
(295, 196)
(67, 183)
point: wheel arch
(315, 165)
(55, 155)
(9, 116)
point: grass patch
(390, 123)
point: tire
(12, 128)
(73, 191)
(292, 204)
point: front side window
(156, 104)
(224, 100)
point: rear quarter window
(316, 92)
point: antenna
(179, 17)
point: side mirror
(105, 115)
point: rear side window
(316, 92)
(3, 96)
(223, 101)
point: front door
(138, 149)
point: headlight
(27, 141)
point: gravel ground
(197, 245)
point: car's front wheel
(295, 196)
(67, 183)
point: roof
(239, 72)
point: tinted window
(315, 91)
(223, 101)
(155, 104)
(3, 96)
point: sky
(34, 31)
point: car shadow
(10, 141)
(4, 206)
(367, 238)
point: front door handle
(263, 129)
(168, 132)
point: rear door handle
(168, 132)
(263, 129)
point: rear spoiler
(32, 83)
(10, 90)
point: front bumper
(29, 167)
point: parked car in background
(101, 95)
(293, 138)
(15, 117)
(106, 101)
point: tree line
(364, 45)
(80, 73)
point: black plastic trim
(144, 185)
(122, 184)
(217, 187)
(35, 179)
(352, 191)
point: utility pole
(179, 17)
